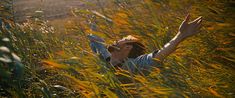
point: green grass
(62, 64)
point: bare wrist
(179, 37)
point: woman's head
(128, 47)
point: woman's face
(119, 53)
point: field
(45, 51)
(52, 9)
(57, 12)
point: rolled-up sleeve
(98, 47)
(145, 61)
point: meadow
(52, 58)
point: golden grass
(62, 64)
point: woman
(129, 53)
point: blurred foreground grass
(62, 65)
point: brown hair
(137, 50)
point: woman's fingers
(196, 20)
(187, 18)
(199, 23)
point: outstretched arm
(186, 30)
(98, 46)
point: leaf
(87, 89)
(54, 64)
(140, 79)
(123, 74)
(129, 84)
(60, 87)
(109, 93)
(216, 66)
(213, 10)
(46, 92)
(214, 92)
(229, 59)
(4, 49)
(4, 74)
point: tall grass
(62, 64)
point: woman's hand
(188, 29)
(94, 38)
